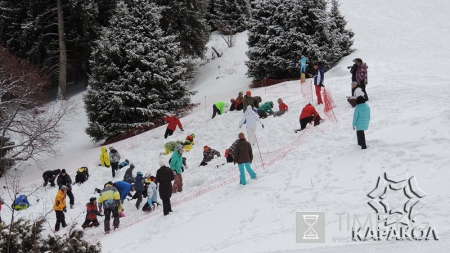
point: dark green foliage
(231, 15)
(137, 74)
(26, 236)
(186, 20)
(282, 31)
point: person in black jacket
(50, 176)
(164, 177)
(64, 179)
(353, 70)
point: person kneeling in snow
(220, 108)
(171, 146)
(91, 214)
(265, 110)
(208, 155)
(308, 115)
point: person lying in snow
(208, 155)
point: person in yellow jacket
(60, 207)
(110, 200)
(104, 158)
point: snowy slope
(405, 45)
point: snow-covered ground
(404, 43)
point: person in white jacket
(250, 118)
(152, 194)
(356, 92)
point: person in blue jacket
(302, 63)
(139, 183)
(361, 119)
(124, 189)
(176, 162)
(318, 81)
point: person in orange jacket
(60, 207)
(308, 115)
(91, 214)
(104, 158)
(282, 108)
(173, 121)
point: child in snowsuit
(91, 214)
(308, 115)
(152, 195)
(236, 104)
(82, 175)
(139, 183)
(124, 163)
(128, 177)
(208, 155)
(282, 108)
(265, 110)
(170, 146)
(173, 123)
(189, 142)
(104, 158)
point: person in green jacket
(220, 108)
(265, 110)
(176, 162)
(361, 119)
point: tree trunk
(62, 54)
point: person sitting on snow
(208, 155)
(152, 195)
(282, 108)
(236, 104)
(91, 214)
(265, 110)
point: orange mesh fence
(329, 105)
(307, 90)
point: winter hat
(241, 136)
(110, 183)
(139, 173)
(161, 163)
(360, 100)
(131, 166)
(271, 104)
(63, 171)
(193, 135)
(63, 188)
(148, 181)
(179, 147)
(111, 147)
(248, 93)
(241, 93)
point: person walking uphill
(250, 117)
(361, 119)
(173, 121)
(110, 201)
(64, 179)
(60, 207)
(164, 177)
(176, 162)
(104, 158)
(114, 158)
(243, 156)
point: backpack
(20, 203)
(82, 175)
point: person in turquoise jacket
(176, 162)
(265, 110)
(219, 108)
(361, 119)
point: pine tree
(137, 74)
(233, 14)
(342, 36)
(186, 20)
(282, 31)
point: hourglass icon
(310, 233)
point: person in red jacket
(308, 115)
(173, 123)
(92, 212)
(282, 108)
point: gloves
(182, 169)
(100, 209)
(65, 209)
(240, 126)
(101, 215)
(182, 129)
(322, 85)
(218, 155)
(354, 127)
(57, 203)
(185, 167)
(263, 126)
